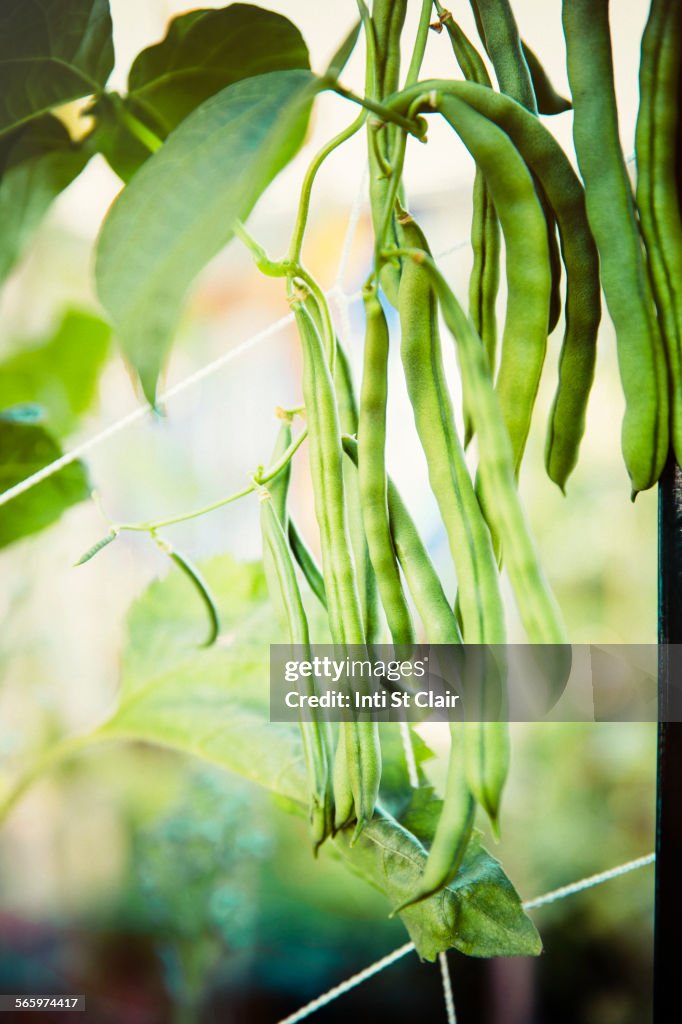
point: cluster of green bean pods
(565, 235)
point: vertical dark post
(668, 900)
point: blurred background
(169, 891)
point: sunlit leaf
(211, 702)
(214, 704)
(51, 52)
(203, 52)
(479, 914)
(60, 373)
(180, 208)
(25, 447)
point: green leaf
(60, 373)
(25, 447)
(51, 52)
(37, 162)
(180, 208)
(210, 702)
(203, 52)
(479, 914)
(214, 704)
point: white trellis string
(589, 882)
(447, 988)
(550, 897)
(346, 986)
(141, 411)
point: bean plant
(211, 115)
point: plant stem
(272, 268)
(296, 245)
(419, 43)
(259, 479)
(415, 128)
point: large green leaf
(59, 373)
(214, 704)
(179, 210)
(203, 52)
(480, 913)
(211, 702)
(51, 52)
(25, 447)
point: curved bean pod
(548, 100)
(528, 275)
(435, 611)
(538, 609)
(372, 471)
(201, 586)
(362, 754)
(552, 168)
(468, 534)
(500, 36)
(485, 233)
(312, 735)
(306, 562)
(612, 217)
(454, 827)
(348, 420)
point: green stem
(415, 128)
(267, 266)
(259, 479)
(371, 78)
(420, 42)
(296, 245)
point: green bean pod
(485, 273)
(528, 275)
(433, 607)
(612, 217)
(367, 582)
(552, 168)
(278, 489)
(312, 733)
(657, 202)
(469, 59)
(306, 562)
(500, 36)
(468, 535)
(485, 233)
(454, 828)
(362, 754)
(345, 618)
(344, 802)
(538, 610)
(372, 471)
(486, 754)
(198, 581)
(548, 100)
